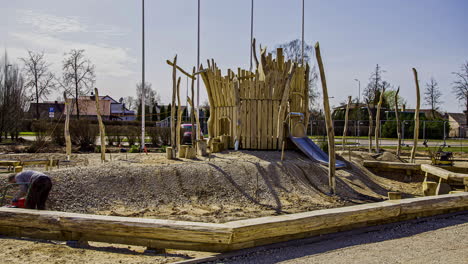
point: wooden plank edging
(391, 165)
(219, 237)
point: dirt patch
(26, 251)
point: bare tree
(432, 96)
(293, 51)
(12, 99)
(373, 89)
(78, 75)
(130, 102)
(38, 77)
(460, 87)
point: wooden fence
(248, 106)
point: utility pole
(198, 63)
(302, 32)
(251, 34)
(143, 83)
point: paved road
(442, 239)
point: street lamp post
(359, 106)
(143, 83)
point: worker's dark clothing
(37, 189)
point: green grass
(27, 133)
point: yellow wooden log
(68, 144)
(182, 151)
(179, 115)
(377, 121)
(170, 153)
(345, 130)
(173, 108)
(328, 122)
(191, 76)
(371, 121)
(416, 117)
(397, 116)
(102, 130)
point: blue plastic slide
(313, 151)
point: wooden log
(193, 116)
(219, 237)
(201, 148)
(170, 153)
(391, 165)
(173, 107)
(182, 151)
(345, 130)
(328, 122)
(102, 130)
(225, 141)
(179, 115)
(416, 117)
(377, 121)
(283, 104)
(394, 195)
(465, 181)
(124, 230)
(267, 230)
(398, 125)
(66, 130)
(17, 169)
(217, 147)
(442, 173)
(191, 76)
(190, 153)
(371, 121)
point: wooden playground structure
(250, 108)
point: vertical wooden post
(179, 115)
(68, 144)
(371, 122)
(237, 127)
(377, 121)
(329, 124)
(345, 130)
(398, 151)
(102, 130)
(173, 108)
(416, 117)
(192, 116)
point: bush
(153, 134)
(41, 128)
(164, 135)
(57, 134)
(134, 149)
(83, 134)
(132, 134)
(324, 146)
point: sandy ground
(20, 251)
(225, 187)
(441, 239)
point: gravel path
(442, 239)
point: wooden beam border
(211, 237)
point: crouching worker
(37, 183)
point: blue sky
(354, 36)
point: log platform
(154, 233)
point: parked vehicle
(187, 138)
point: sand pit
(229, 186)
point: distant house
(110, 108)
(47, 110)
(457, 125)
(87, 107)
(427, 113)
